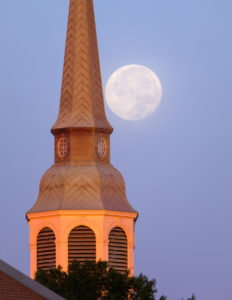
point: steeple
(81, 103)
(82, 211)
(82, 176)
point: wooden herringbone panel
(80, 187)
(81, 103)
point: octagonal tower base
(62, 223)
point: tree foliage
(95, 281)
(193, 298)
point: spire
(82, 177)
(81, 194)
(81, 103)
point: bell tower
(82, 211)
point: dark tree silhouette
(95, 281)
(193, 298)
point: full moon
(133, 92)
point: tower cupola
(82, 210)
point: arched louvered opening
(81, 244)
(118, 249)
(46, 249)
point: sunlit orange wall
(62, 222)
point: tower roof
(15, 285)
(82, 177)
(81, 103)
(82, 187)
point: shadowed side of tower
(82, 211)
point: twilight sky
(177, 163)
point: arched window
(46, 249)
(81, 244)
(118, 249)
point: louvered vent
(81, 244)
(46, 249)
(118, 249)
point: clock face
(63, 147)
(101, 148)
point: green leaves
(193, 298)
(95, 281)
(55, 279)
(143, 289)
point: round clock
(63, 147)
(101, 148)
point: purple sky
(177, 163)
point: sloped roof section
(81, 103)
(82, 187)
(25, 282)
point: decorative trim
(102, 147)
(61, 213)
(58, 139)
